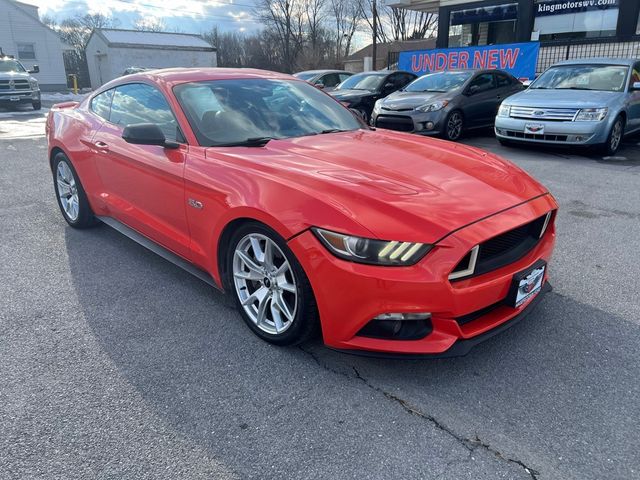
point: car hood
(397, 186)
(15, 75)
(406, 100)
(344, 95)
(550, 98)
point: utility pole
(374, 10)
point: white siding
(117, 59)
(18, 26)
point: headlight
(504, 110)
(433, 107)
(591, 114)
(34, 84)
(375, 252)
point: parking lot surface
(117, 364)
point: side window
(503, 80)
(483, 82)
(407, 79)
(101, 104)
(330, 80)
(635, 74)
(140, 103)
(343, 76)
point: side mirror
(635, 86)
(319, 85)
(472, 90)
(146, 134)
(35, 69)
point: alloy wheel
(454, 126)
(616, 136)
(67, 191)
(265, 283)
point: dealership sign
(559, 7)
(519, 59)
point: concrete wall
(17, 25)
(103, 68)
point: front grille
(553, 114)
(501, 250)
(17, 85)
(395, 122)
(544, 137)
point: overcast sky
(189, 16)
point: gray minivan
(576, 102)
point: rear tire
(614, 140)
(270, 288)
(70, 194)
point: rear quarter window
(101, 104)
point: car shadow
(547, 385)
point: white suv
(17, 86)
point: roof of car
(322, 71)
(599, 61)
(184, 75)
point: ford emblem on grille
(12, 84)
(539, 113)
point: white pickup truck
(17, 86)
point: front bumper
(555, 133)
(349, 295)
(430, 123)
(17, 97)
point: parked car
(267, 188)
(361, 91)
(325, 80)
(17, 85)
(576, 102)
(446, 103)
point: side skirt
(159, 250)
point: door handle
(101, 146)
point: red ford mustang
(271, 190)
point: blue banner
(519, 59)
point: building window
(483, 26)
(26, 51)
(561, 19)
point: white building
(24, 36)
(110, 52)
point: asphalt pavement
(117, 364)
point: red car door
(144, 184)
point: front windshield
(11, 66)
(609, 78)
(305, 75)
(362, 81)
(438, 82)
(225, 112)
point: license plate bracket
(527, 284)
(534, 128)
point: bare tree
(395, 24)
(347, 15)
(285, 19)
(150, 24)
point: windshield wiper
(333, 130)
(249, 142)
(574, 88)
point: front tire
(615, 137)
(454, 126)
(37, 105)
(271, 290)
(70, 194)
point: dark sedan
(360, 92)
(324, 79)
(446, 103)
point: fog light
(398, 326)
(428, 126)
(404, 316)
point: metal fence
(551, 53)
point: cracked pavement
(117, 364)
